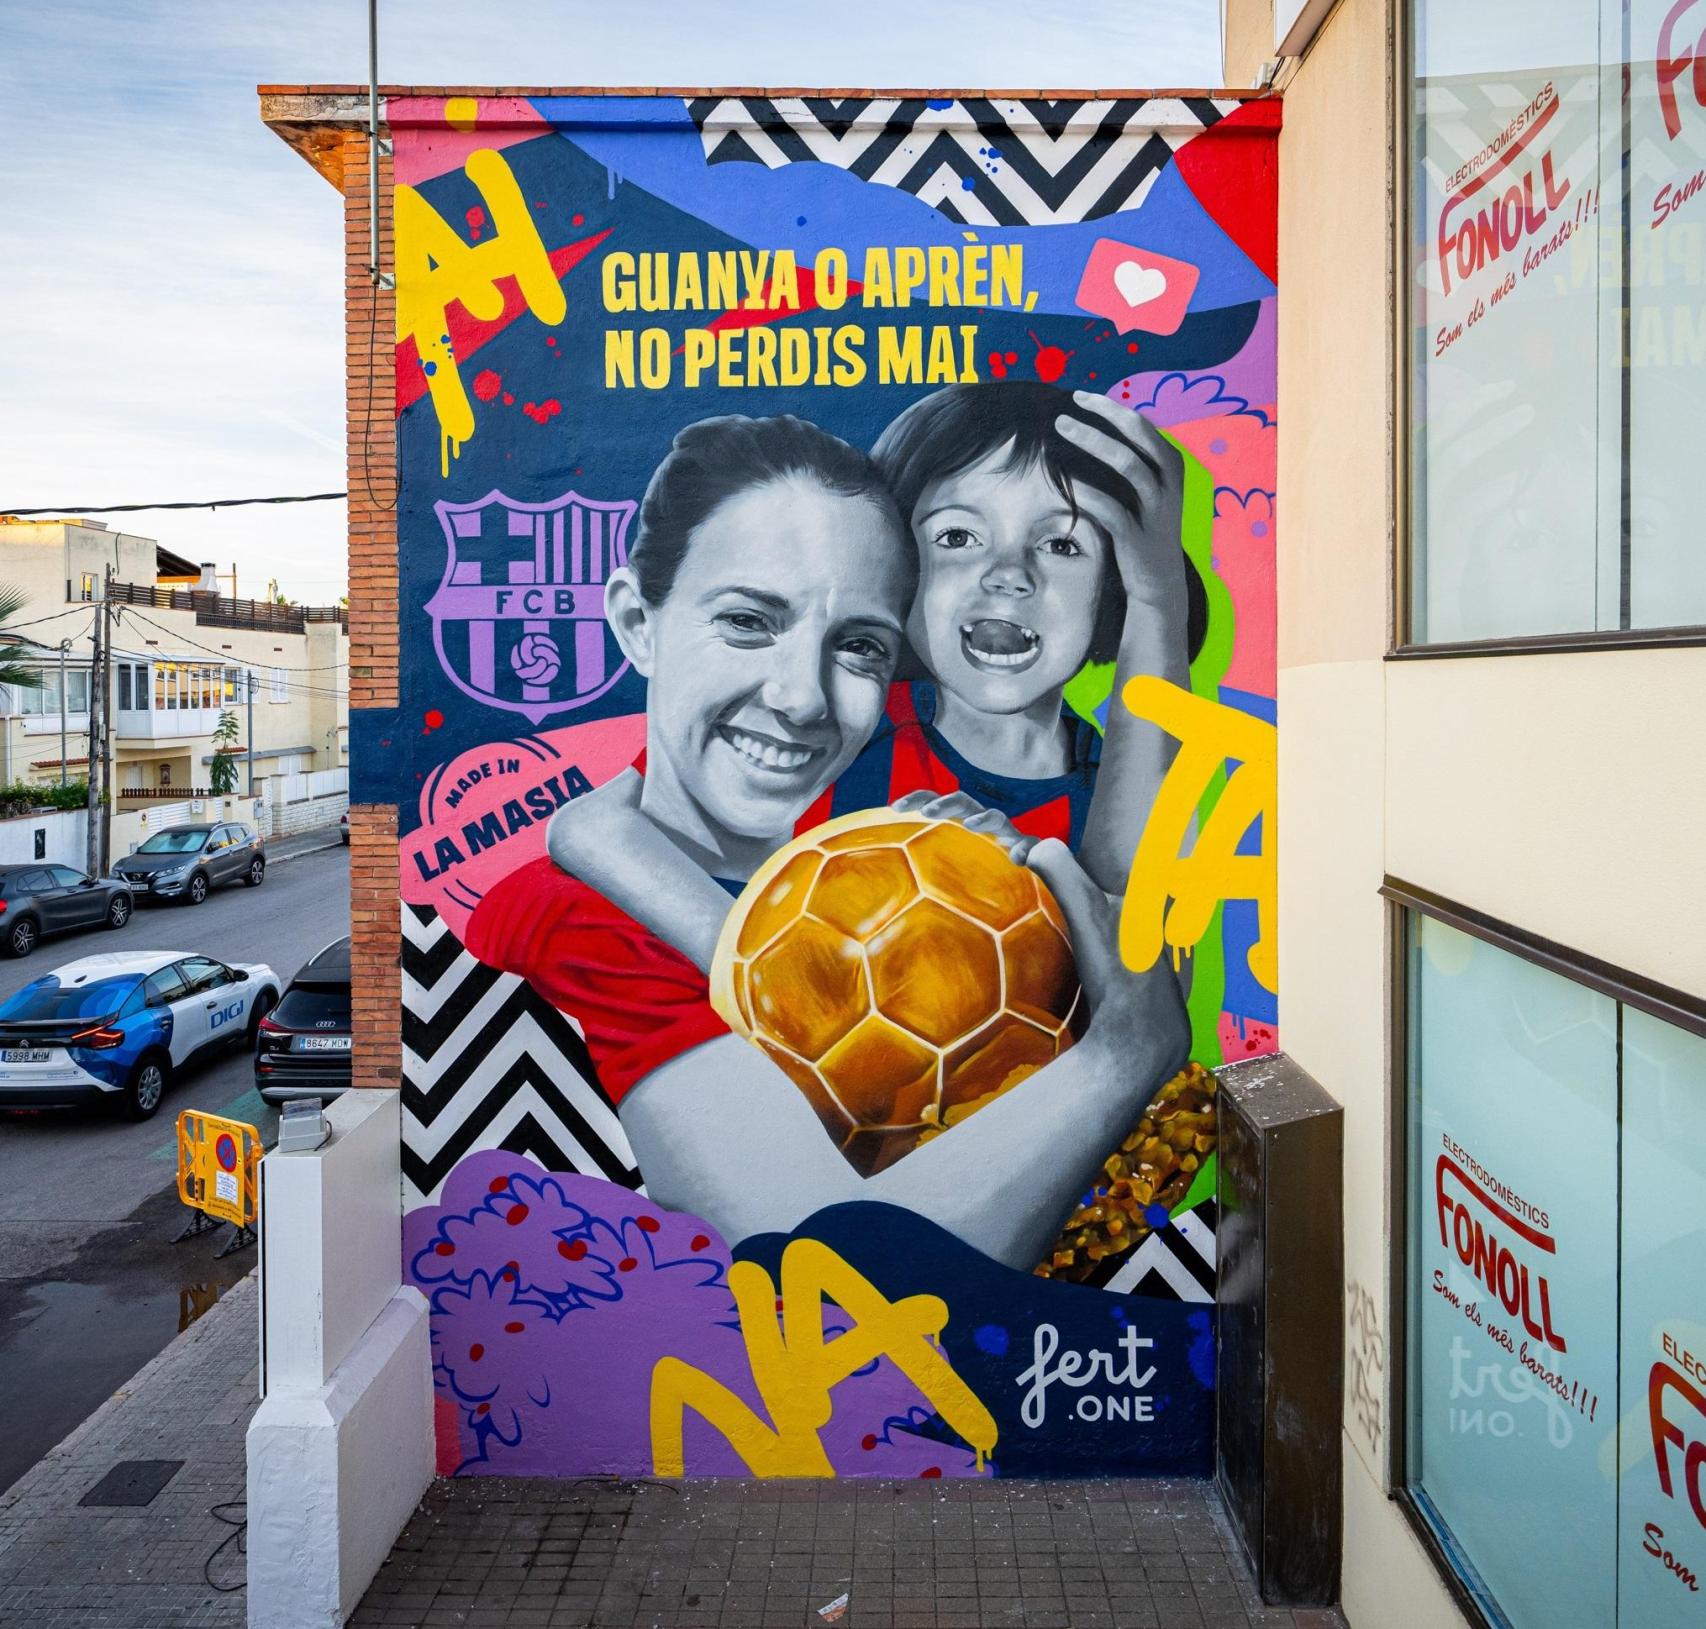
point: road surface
(90, 1288)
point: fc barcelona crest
(518, 620)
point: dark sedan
(302, 1048)
(36, 900)
(188, 862)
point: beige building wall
(1560, 793)
(305, 714)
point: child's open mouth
(1000, 646)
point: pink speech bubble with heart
(1136, 288)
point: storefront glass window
(1557, 316)
(1661, 1571)
(1557, 1291)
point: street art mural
(835, 771)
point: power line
(133, 508)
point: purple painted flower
(492, 1353)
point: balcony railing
(216, 611)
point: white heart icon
(1138, 285)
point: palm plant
(222, 773)
(15, 660)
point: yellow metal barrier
(218, 1162)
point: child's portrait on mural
(1006, 535)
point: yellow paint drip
(462, 112)
(1209, 734)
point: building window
(280, 685)
(1556, 1366)
(165, 774)
(124, 687)
(1557, 319)
(44, 701)
(142, 687)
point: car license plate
(25, 1054)
(323, 1043)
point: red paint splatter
(497, 1184)
(647, 1224)
(1132, 347)
(476, 219)
(517, 1215)
(934, 1471)
(514, 1329)
(487, 384)
(476, 1352)
(1092, 376)
(484, 1408)
(468, 334)
(542, 412)
(573, 1249)
(868, 1441)
(509, 400)
(698, 1242)
(1050, 360)
(433, 719)
(551, 340)
(577, 220)
(997, 365)
(626, 1265)
(444, 1248)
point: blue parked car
(117, 1028)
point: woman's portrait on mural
(765, 602)
(820, 850)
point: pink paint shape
(427, 146)
(1136, 288)
(520, 784)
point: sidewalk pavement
(303, 842)
(155, 1566)
(595, 1554)
(482, 1552)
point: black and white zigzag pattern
(487, 1063)
(1176, 1264)
(978, 161)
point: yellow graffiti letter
(1214, 870)
(435, 269)
(795, 1368)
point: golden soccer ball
(901, 971)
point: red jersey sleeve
(637, 1001)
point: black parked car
(186, 862)
(36, 900)
(302, 1048)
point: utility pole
(93, 845)
(62, 768)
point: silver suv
(185, 862)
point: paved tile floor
(488, 1552)
(173, 1563)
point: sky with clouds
(171, 291)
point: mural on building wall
(835, 769)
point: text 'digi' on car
(120, 1028)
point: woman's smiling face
(771, 657)
(1010, 580)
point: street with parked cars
(88, 1202)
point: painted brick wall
(369, 392)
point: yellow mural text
(1213, 870)
(795, 1368)
(436, 269)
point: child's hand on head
(1146, 543)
